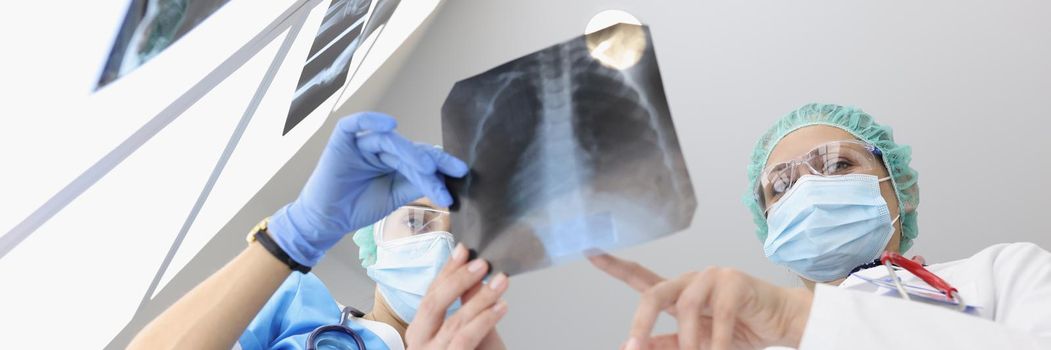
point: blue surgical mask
(824, 226)
(405, 268)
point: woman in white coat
(831, 191)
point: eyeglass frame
(379, 234)
(759, 192)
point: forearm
(215, 313)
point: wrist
(261, 234)
(798, 304)
(290, 233)
(258, 253)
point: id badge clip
(937, 291)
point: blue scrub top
(298, 307)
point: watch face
(261, 226)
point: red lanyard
(891, 258)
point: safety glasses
(412, 220)
(830, 159)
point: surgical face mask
(827, 225)
(406, 266)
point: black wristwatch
(261, 235)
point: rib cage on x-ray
(567, 155)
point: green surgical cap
(853, 120)
(366, 242)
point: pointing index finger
(634, 275)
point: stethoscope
(335, 335)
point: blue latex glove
(365, 172)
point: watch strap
(268, 243)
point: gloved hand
(365, 172)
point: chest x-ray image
(572, 151)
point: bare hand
(468, 326)
(718, 308)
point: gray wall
(966, 83)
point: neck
(381, 312)
(811, 284)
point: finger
(655, 299)
(431, 317)
(472, 334)
(458, 259)
(401, 191)
(370, 146)
(634, 275)
(394, 144)
(447, 164)
(659, 342)
(392, 161)
(470, 293)
(485, 299)
(427, 183)
(725, 301)
(689, 308)
(399, 144)
(365, 121)
(663, 342)
(349, 131)
(443, 292)
(689, 329)
(433, 186)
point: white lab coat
(1009, 283)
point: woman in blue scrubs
(265, 298)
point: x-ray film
(149, 27)
(572, 151)
(347, 24)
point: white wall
(966, 83)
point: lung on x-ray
(572, 151)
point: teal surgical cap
(853, 120)
(366, 242)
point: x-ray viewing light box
(161, 157)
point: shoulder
(1002, 254)
(1021, 264)
(1026, 254)
(1004, 263)
(1013, 252)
